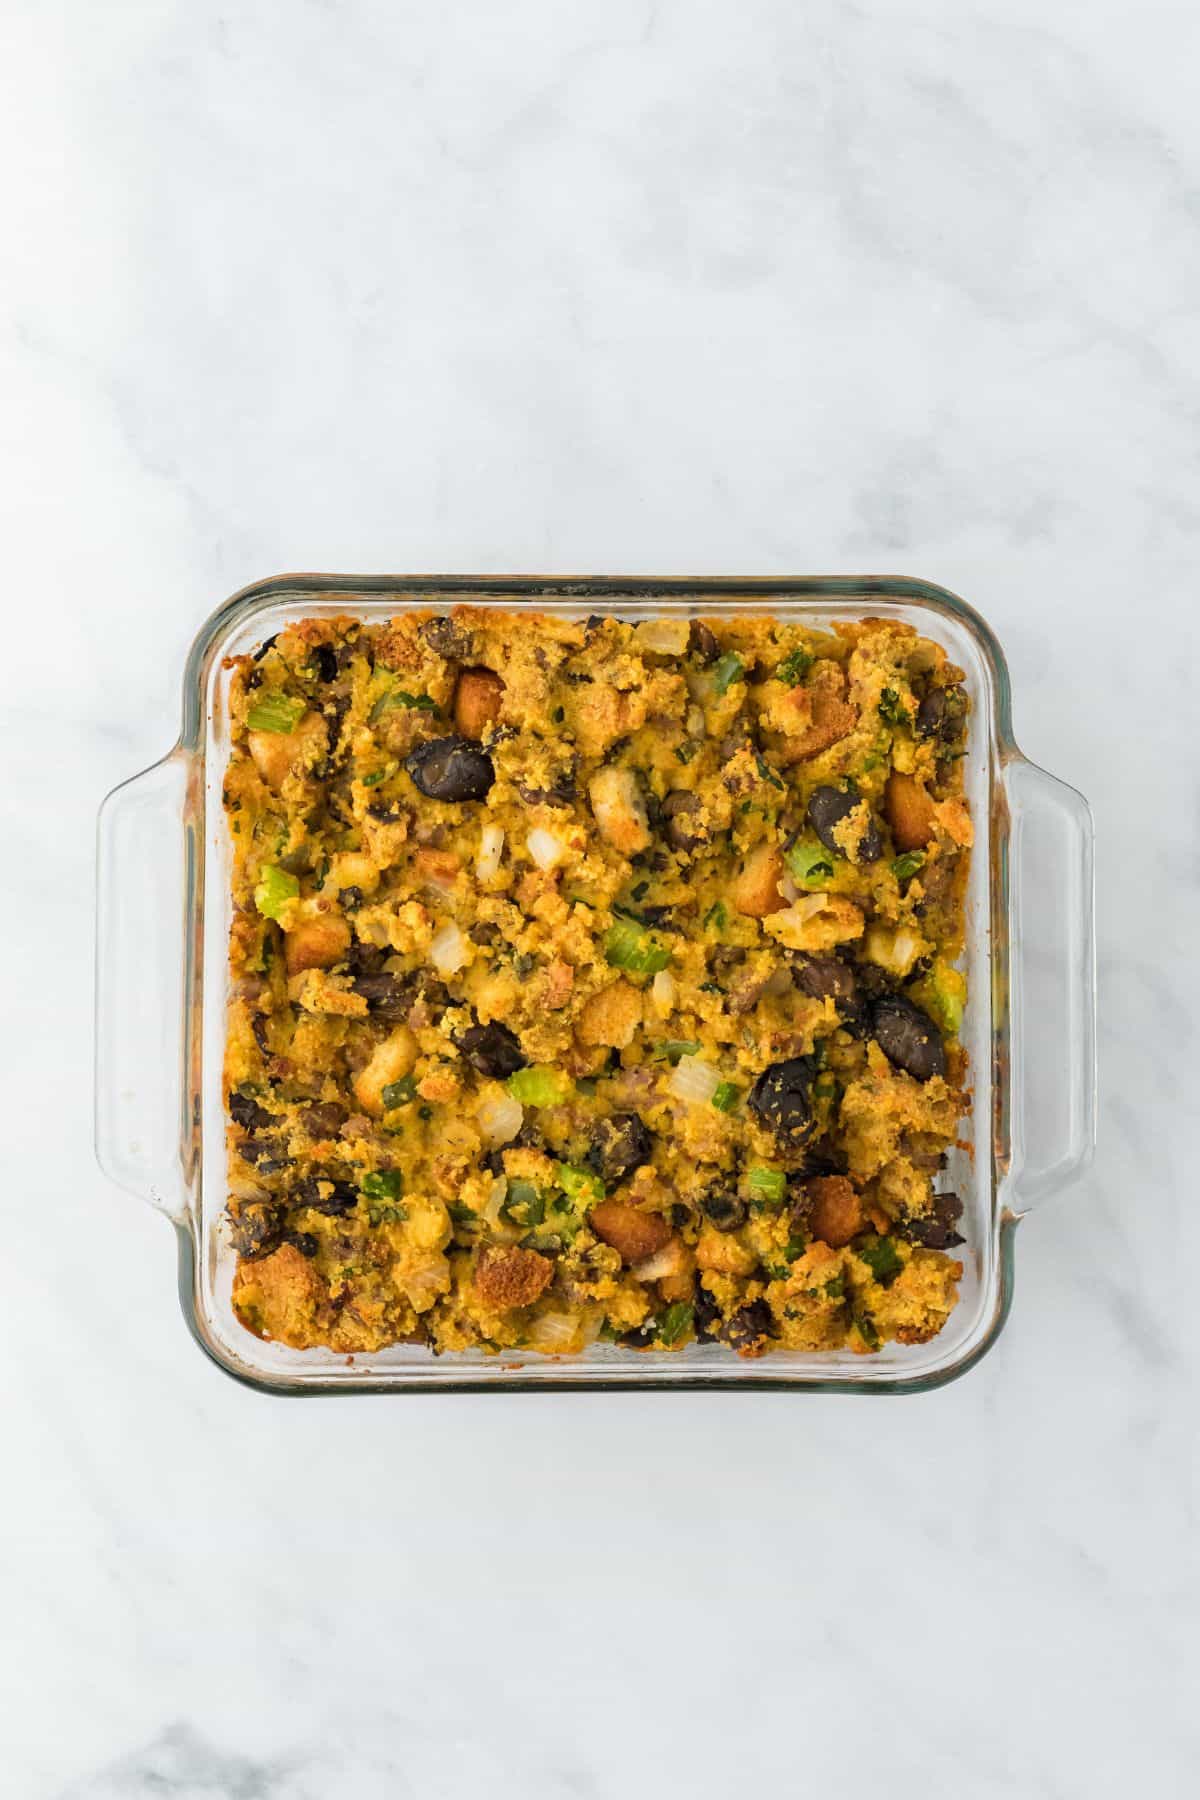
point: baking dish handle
(141, 970)
(1052, 985)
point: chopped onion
(491, 844)
(694, 1081)
(668, 637)
(788, 889)
(448, 951)
(546, 850)
(662, 992)
(695, 722)
(894, 950)
(424, 1284)
(667, 1261)
(500, 1116)
(553, 1332)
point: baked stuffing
(595, 980)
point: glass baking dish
(163, 922)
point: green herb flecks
(726, 670)
(882, 1258)
(794, 667)
(398, 1093)
(674, 1323)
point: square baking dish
(164, 912)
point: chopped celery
(539, 1085)
(580, 1184)
(908, 864)
(398, 1093)
(628, 945)
(726, 1095)
(716, 918)
(809, 862)
(946, 993)
(275, 712)
(726, 670)
(275, 887)
(673, 1048)
(767, 1185)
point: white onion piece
(666, 1261)
(546, 850)
(788, 889)
(424, 1284)
(667, 637)
(896, 951)
(500, 1116)
(491, 845)
(448, 952)
(553, 1332)
(695, 722)
(694, 1081)
(662, 993)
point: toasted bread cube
(316, 943)
(837, 1214)
(619, 810)
(477, 701)
(391, 1062)
(507, 1276)
(633, 1234)
(278, 754)
(611, 1017)
(909, 811)
(756, 890)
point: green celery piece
(398, 1093)
(539, 1085)
(908, 864)
(628, 945)
(672, 1049)
(580, 1184)
(726, 1096)
(275, 712)
(716, 918)
(767, 1184)
(275, 887)
(809, 862)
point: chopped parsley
(795, 666)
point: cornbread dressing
(595, 980)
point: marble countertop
(634, 286)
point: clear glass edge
(737, 592)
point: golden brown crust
(526, 912)
(506, 1278)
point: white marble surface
(640, 285)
